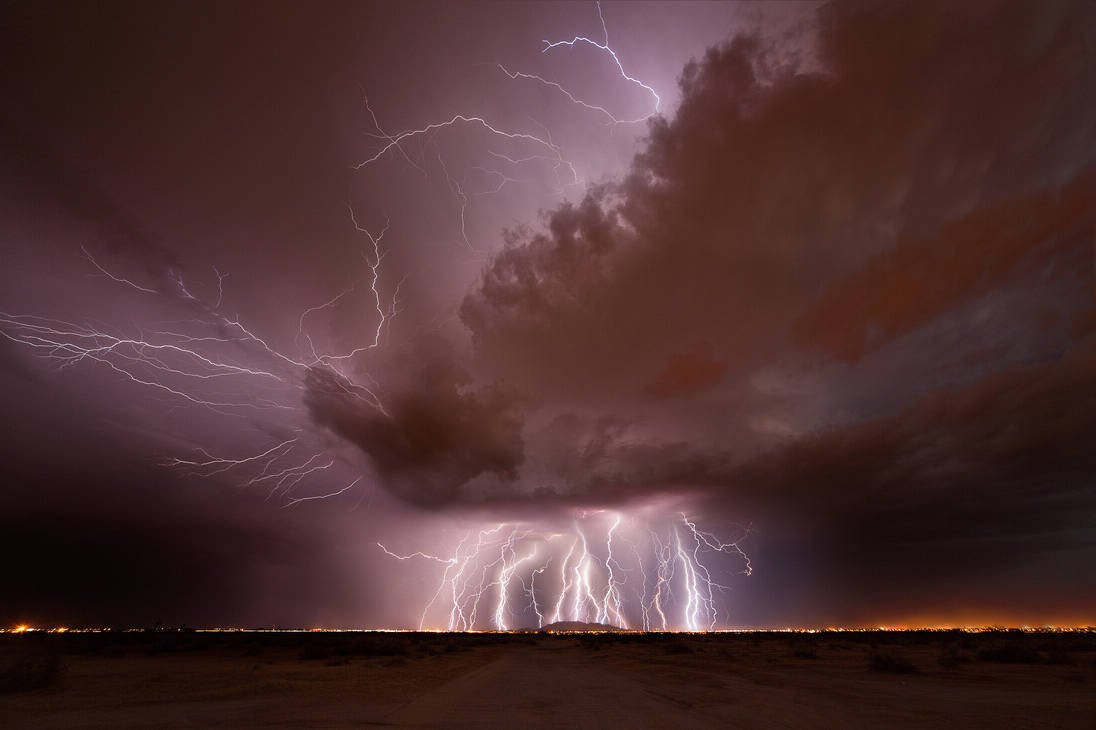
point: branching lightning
(549, 151)
(111, 276)
(590, 585)
(605, 567)
(394, 142)
(216, 362)
(604, 46)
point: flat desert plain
(846, 680)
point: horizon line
(183, 628)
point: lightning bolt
(487, 564)
(550, 151)
(576, 570)
(111, 276)
(185, 360)
(604, 46)
(336, 493)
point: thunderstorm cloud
(841, 289)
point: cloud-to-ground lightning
(604, 566)
(589, 586)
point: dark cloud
(962, 489)
(435, 434)
(844, 291)
(845, 300)
(688, 372)
(916, 281)
(950, 494)
(1022, 430)
(774, 181)
(600, 462)
(887, 254)
(551, 297)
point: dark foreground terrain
(869, 679)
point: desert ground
(848, 680)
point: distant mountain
(578, 626)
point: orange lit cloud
(901, 289)
(688, 372)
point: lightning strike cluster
(604, 568)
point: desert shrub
(30, 671)
(678, 646)
(1012, 652)
(592, 643)
(890, 662)
(387, 645)
(310, 652)
(1059, 656)
(803, 648)
(165, 646)
(951, 657)
(345, 648)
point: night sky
(715, 315)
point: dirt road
(554, 686)
(561, 682)
(547, 687)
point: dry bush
(890, 662)
(31, 671)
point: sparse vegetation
(30, 671)
(890, 662)
(1059, 667)
(951, 657)
(1015, 652)
(680, 646)
(804, 648)
(314, 651)
(1010, 652)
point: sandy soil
(583, 682)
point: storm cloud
(435, 435)
(839, 297)
(755, 297)
(852, 295)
